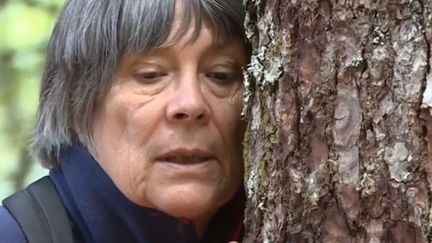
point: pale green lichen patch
(356, 60)
(410, 61)
(427, 94)
(250, 183)
(247, 93)
(379, 36)
(266, 65)
(314, 187)
(367, 185)
(398, 158)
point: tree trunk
(339, 140)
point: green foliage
(25, 26)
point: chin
(191, 202)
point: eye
(149, 77)
(223, 77)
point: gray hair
(87, 42)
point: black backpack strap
(40, 212)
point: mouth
(186, 157)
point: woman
(139, 120)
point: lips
(186, 156)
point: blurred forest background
(25, 27)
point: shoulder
(10, 231)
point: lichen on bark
(338, 146)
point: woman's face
(169, 131)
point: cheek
(141, 121)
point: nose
(188, 104)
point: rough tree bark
(339, 140)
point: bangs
(145, 25)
